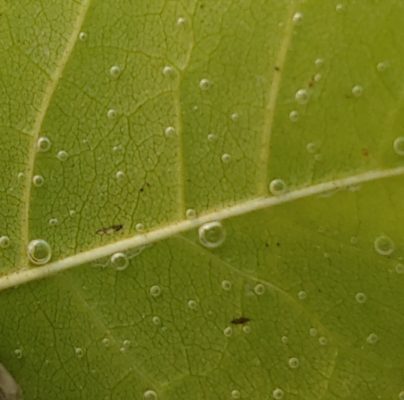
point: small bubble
(205, 84)
(62, 155)
(139, 227)
(117, 149)
(119, 261)
(357, 90)
(155, 291)
(53, 222)
(192, 304)
(115, 71)
(401, 395)
(302, 295)
(235, 394)
(399, 267)
(228, 331)
(317, 77)
(169, 131)
(38, 180)
(150, 395)
(226, 158)
(234, 117)
(43, 144)
(277, 394)
(168, 71)
(79, 352)
(212, 234)
(313, 332)
(372, 338)
(20, 176)
(226, 285)
(384, 245)
(354, 240)
(18, 353)
(190, 213)
(111, 114)
(181, 21)
(106, 342)
(83, 36)
(293, 362)
(4, 242)
(72, 213)
(360, 297)
(339, 8)
(212, 137)
(382, 66)
(246, 329)
(302, 96)
(398, 145)
(259, 289)
(156, 320)
(284, 339)
(294, 116)
(319, 62)
(277, 186)
(323, 340)
(120, 175)
(297, 17)
(39, 252)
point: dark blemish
(365, 152)
(277, 68)
(278, 244)
(266, 244)
(143, 187)
(109, 230)
(240, 320)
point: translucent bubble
(226, 285)
(234, 117)
(38, 180)
(156, 320)
(62, 155)
(360, 297)
(205, 84)
(4, 242)
(226, 158)
(212, 234)
(212, 137)
(312, 147)
(293, 362)
(323, 340)
(297, 17)
(339, 8)
(398, 145)
(384, 245)
(43, 144)
(302, 295)
(168, 71)
(228, 331)
(357, 90)
(106, 342)
(278, 394)
(155, 291)
(277, 186)
(83, 36)
(119, 261)
(313, 332)
(181, 21)
(111, 114)
(120, 175)
(294, 116)
(79, 352)
(284, 339)
(317, 77)
(246, 329)
(190, 213)
(259, 289)
(20, 176)
(302, 96)
(235, 394)
(18, 353)
(115, 71)
(382, 66)
(399, 268)
(318, 62)
(192, 304)
(150, 395)
(139, 227)
(39, 251)
(169, 131)
(53, 222)
(372, 338)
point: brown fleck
(240, 320)
(109, 230)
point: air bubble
(226, 158)
(398, 145)
(226, 285)
(38, 180)
(155, 291)
(313, 332)
(318, 62)
(284, 339)
(43, 144)
(205, 84)
(277, 186)
(192, 304)
(139, 227)
(322, 340)
(18, 353)
(156, 320)
(150, 395)
(181, 21)
(83, 36)
(111, 114)
(39, 251)
(234, 117)
(4, 242)
(360, 297)
(119, 261)
(168, 71)
(259, 289)
(339, 8)
(120, 176)
(302, 295)
(212, 234)
(53, 222)
(317, 77)
(294, 116)
(357, 90)
(312, 147)
(302, 96)
(384, 245)
(106, 342)
(212, 137)
(293, 362)
(297, 18)
(382, 66)
(277, 394)
(190, 213)
(79, 352)
(115, 71)
(228, 331)
(62, 155)
(399, 267)
(235, 394)
(169, 131)
(372, 338)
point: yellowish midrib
(37, 127)
(27, 273)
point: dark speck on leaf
(240, 320)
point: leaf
(218, 188)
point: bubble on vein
(119, 261)
(39, 252)
(212, 234)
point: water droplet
(83, 36)
(259, 289)
(302, 96)
(53, 222)
(293, 362)
(20, 176)
(212, 234)
(79, 352)
(323, 340)
(235, 394)
(246, 329)
(319, 62)
(234, 117)
(277, 394)
(384, 245)
(399, 267)
(169, 131)
(38, 180)
(192, 304)
(302, 295)
(156, 320)
(372, 338)
(294, 116)
(18, 353)
(382, 66)
(43, 144)
(72, 213)
(228, 331)
(205, 84)
(168, 71)
(106, 342)
(360, 297)
(190, 213)
(398, 145)
(357, 90)
(317, 77)
(212, 137)
(297, 17)
(62, 155)
(150, 395)
(181, 21)
(119, 261)
(226, 158)
(111, 114)
(312, 147)
(139, 227)
(115, 71)
(4, 242)
(284, 339)
(39, 251)
(401, 395)
(226, 285)
(120, 176)
(340, 8)
(155, 291)
(277, 186)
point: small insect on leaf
(109, 230)
(9, 390)
(240, 320)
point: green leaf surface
(220, 187)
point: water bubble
(293, 362)
(115, 71)
(319, 62)
(83, 36)
(297, 17)
(284, 339)
(277, 394)
(246, 329)
(205, 84)
(323, 340)
(156, 320)
(53, 222)
(317, 77)
(398, 145)
(169, 131)
(398, 267)
(62, 155)
(302, 96)
(228, 331)
(181, 21)
(302, 295)
(190, 213)
(339, 8)
(259, 289)
(38, 180)
(4, 242)
(106, 342)
(43, 144)
(360, 297)
(155, 291)
(119, 261)
(212, 137)
(139, 227)
(313, 332)
(294, 115)
(277, 186)
(357, 90)
(372, 338)
(192, 304)
(226, 158)
(235, 117)
(212, 234)
(384, 245)
(120, 176)
(18, 353)
(20, 176)
(39, 251)
(401, 395)
(382, 66)
(226, 285)
(312, 147)
(150, 395)
(235, 394)
(111, 113)
(168, 71)
(79, 352)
